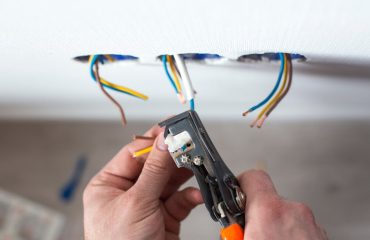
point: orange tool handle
(232, 232)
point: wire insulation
(188, 87)
(264, 101)
(192, 104)
(113, 86)
(142, 151)
(174, 73)
(289, 73)
(277, 96)
(290, 78)
(96, 74)
(110, 59)
(164, 62)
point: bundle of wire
(275, 97)
(179, 72)
(94, 61)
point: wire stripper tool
(191, 147)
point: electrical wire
(135, 137)
(113, 86)
(97, 77)
(142, 151)
(110, 59)
(192, 104)
(174, 73)
(177, 69)
(276, 97)
(164, 62)
(188, 86)
(286, 90)
(264, 101)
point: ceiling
(41, 81)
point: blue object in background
(69, 189)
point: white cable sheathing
(189, 90)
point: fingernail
(160, 143)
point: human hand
(270, 217)
(138, 198)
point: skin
(139, 198)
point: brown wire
(175, 64)
(286, 90)
(97, 76)
(134, 137)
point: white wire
(189, 90)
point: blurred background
(57, 129)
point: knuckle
(304, 211)
(155, 166)
(277, 208)
(101, 177)
(135, 200)
(131, 197)
(258, 176)
(271, 208)
(259, 173)
(254, 175)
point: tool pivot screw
(198, 160)
(185, 158)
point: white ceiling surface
(39, 80)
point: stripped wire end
(181, 98)
(254, 123)
(139, 137)
(245, 113)
(261, 121)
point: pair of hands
(139, 199)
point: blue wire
(94, 59)
(192, 105)
(164, 61)
(281, 56)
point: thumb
(156, 172)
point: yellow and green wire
(110, 85)
(274, 95)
